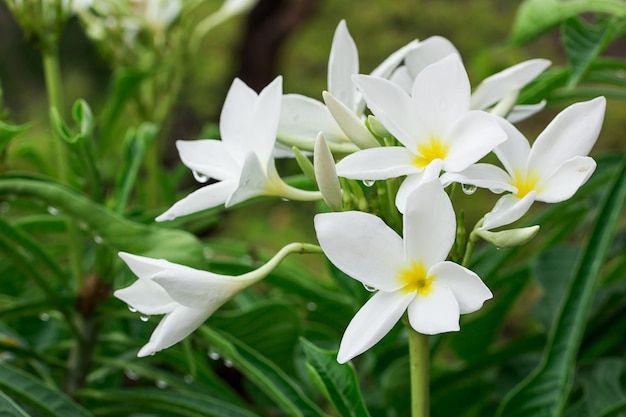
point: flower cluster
(414, 128)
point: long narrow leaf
(544, 393)
(8, 407)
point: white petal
(483, 176)
(386, 67)
(303, 118)
(429, 224)
(266, 119)
(473, 136)
(507, 210)
(342, 64)
(467, 287)
(402, 78)
(363, 246)
(146, 297)
(209, 157)
(372, 322)
(440, 94)
(499, 85)
(254, 181)
(573, 132)
(392, 107)
(350, 123)
(207, 197)
(428, 52)
(567, 179)
(377, 164)
(437, 312)
(236, 119)
(200, 289)
(515, 150)
(524, 111)
(145, 267)
(411, 182)
(173, 328)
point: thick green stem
(418, 360)
(471, 244)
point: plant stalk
(418, 360)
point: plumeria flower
(550, 171)
(410, 274)
(186, 296)
(434, 123)
(242, 161)
(342, 118)
(491, 90)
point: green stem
(52, 74)
(418, 360)
(471, 244)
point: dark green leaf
(263, 374)
(341, 385)
(8, 407)
(602, 388)
(28, 390)
(545, 391)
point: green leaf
(584, 43)
(173, 403)
(8, 132)
(263, 374)
(340, 381)
(112, 229)
(32, 392)
(8, 407)
(535, 17)
(545, 391)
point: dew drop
(188, 379)
(498, 190)
(130, 374)
(144, 318)
(228, 363)
(311, 306)
(132, 309)
(53, 210)
(200, 177)
(160, 384)
(368, 288)
(368, 183)
(44, 317)
(98, 239)
(468, 189)
(213, 355)
(284, 199)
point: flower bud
(508, 238)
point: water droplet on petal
(200, 177)
(98, 239)
(368, 183)
(370, 289)
(144, 318)
(160, 384)
(213, 355)
(497, 190)
(132, 309)
(44, 317)
(53, 210)
(468, 189)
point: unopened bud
(508, 238)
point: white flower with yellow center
(410, 274)
(434, 123)
(551, 171)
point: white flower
(242, 160)
(551, 171)
(342, 118)
(491, 90)
(185, 295)
(434, 123)
(410, 274)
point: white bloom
(551, 171)
(409, 274)
(185, 295)
(434, 123)
(491, 90)
(242, 160)
(342, 118)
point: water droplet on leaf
(44, 317)
(228, 363)
(53, 210)
(311, 306)
(130, 374)
(213, 355)
(160, 384)
(98, 239)
(188, 378)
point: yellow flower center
(416, 279)
(427, 152)
(525, 183)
